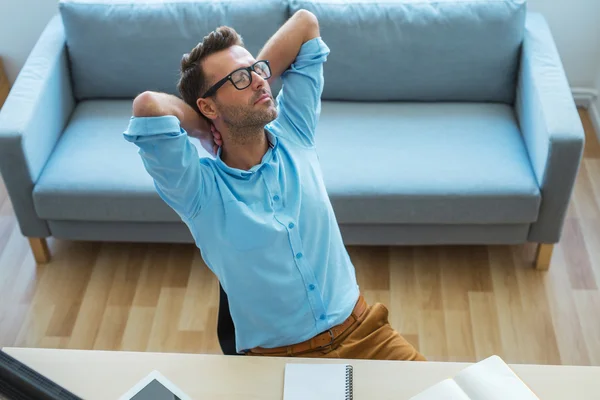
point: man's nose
(257, 81)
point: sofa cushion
(426, 163)
(413, 50)
(118, 49)
(383, 163)
(95, 175)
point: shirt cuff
(147, 126)
(314, 45)
(312, 52)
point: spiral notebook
(318, 382)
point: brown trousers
(371, 337)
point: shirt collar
(273, 144)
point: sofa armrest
(32, 120)
(550, 125)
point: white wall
(575, 25)
(21, 22)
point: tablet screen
(155, 386)
(155, 391)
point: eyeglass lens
(241, 79)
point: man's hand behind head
(210, 139)
(154, 104)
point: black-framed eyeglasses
(242, 77)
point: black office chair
(225, 327)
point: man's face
(239, 108)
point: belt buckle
(332, 338)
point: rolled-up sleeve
(172, 161)
(299, 101)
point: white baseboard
(584, 97)
(595, 117)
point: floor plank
(565, 317)
(484, 325)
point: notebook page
(492, 379)
(315, 382)
(445, 390)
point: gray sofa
(446, 122)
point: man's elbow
(145, 105)
(310, 22)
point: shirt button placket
(273, 186)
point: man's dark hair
(193, 82)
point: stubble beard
(246, 123)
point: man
(259, 211)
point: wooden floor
(454, 303)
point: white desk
(105, 375)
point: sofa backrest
(420, 50)
(119, 48)
(397, 50)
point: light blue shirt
(269, 234)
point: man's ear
(207, 107)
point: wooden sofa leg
(543, 256)
(39, 247)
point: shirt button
(291, 225)
(298, 255)
(322, 317)
(276, 198)
(311, 287)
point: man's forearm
(283, 47)
(154, 104)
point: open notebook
(490, 379)
(318, 382)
